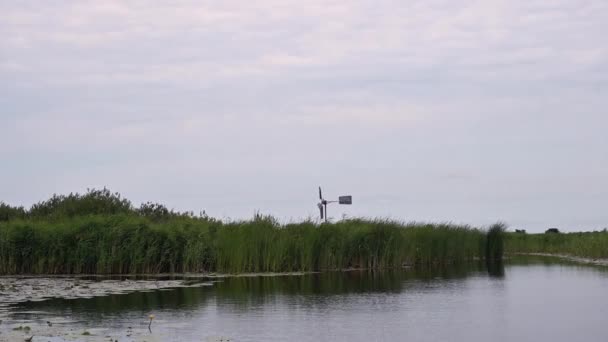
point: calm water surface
(527, 301)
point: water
(528, 301)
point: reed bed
(100, 233)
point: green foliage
(587, 244)
(120, 244)
(94, 202)
(8, 213)
(100, 232)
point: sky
(468, 112)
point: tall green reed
(133, 244)
(101, 232)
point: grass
(123, 244)
(101, 233)
(588, 244)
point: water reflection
(496, 268)
(517, 301)
(247, 291)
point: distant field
(588, 244)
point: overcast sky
(462, 111)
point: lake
(531, 299)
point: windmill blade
(320, 195)
(320, 209)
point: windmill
(323, 204)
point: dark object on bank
(520, 231)
(495, 242)
(552, 231)
(494, 249)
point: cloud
(429, 99)
(164, 43)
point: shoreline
(577, 259)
